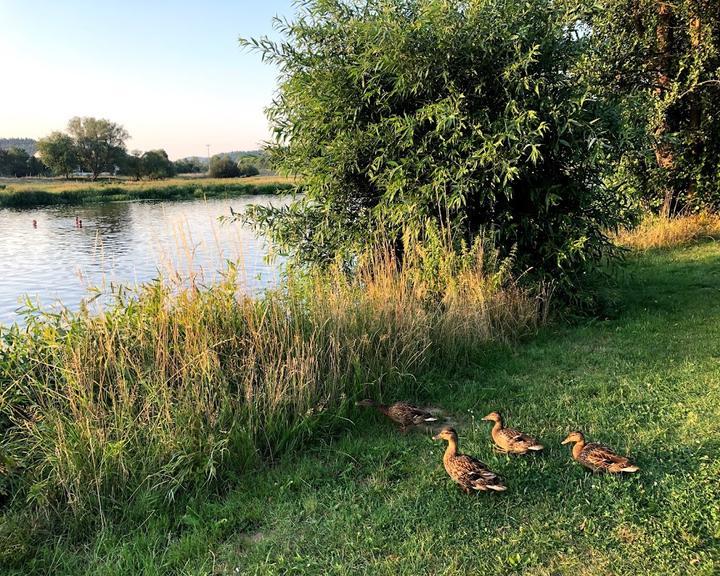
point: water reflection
(122, 242)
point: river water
(47, 257)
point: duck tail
(497, 487)
(536, 447)
(430, 419)
(631, 468)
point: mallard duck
(401, 412)
(509, 440)
(597, 457)
(468, 472)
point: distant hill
(27, 144)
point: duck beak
(486, 418)
(566, 441)
(436, 437)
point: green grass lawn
(373, 501)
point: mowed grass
(25, 193)
(374, 501)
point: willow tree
(413, 116)
(99, 143)
(662, 60)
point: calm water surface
(122, 243)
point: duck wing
(474, 474)
(408, 414)
(419, 415)
(600, 457)
(514, 438)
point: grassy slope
(37, 192)
(376, 502)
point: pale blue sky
(172, 72)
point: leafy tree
(100, 143)
(188, 166)
(222, 166)
(18, 163)
(36, 167)
(247, 168)
(661, 60)
(155, 164)
(416, 116)
(58, 152)
(131, 164)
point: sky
(171, 72)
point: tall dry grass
(658, 232)
(172, 388)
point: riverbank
(27, 193)
(363, 499)
(373, 501)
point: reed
(175, 387)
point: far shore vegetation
(27, 193)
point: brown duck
(468, 472)
(509, 440)
(597, 457)
(401, 412)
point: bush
(155, 165)
(247, 169)
(415, 114)
(223, 167)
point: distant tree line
(27, 144)
(96, 146)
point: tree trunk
(695, 102)
(664, 154)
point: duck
(509, 440)
(468, 472)
(597, 457)
(403, 413)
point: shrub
(413, 115)
(155, 165)
(223, 167)
(247, 169)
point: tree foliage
(427, 115)
(155, 164)
(222, 166)
(189, 166)
(100, 143)
(16, 162)
(247, 168)
(58, 152)
(661, 61)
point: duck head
(493, 417)
(574, 437)
(446, 434)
